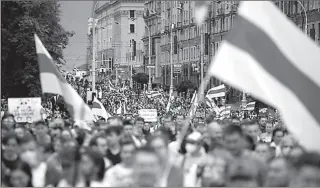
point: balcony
(185, 22)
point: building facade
(120, 24)
(160, 15)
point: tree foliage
(19, 65)
(141, 78)
(184, 86)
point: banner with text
(25, 109)
(149, 115)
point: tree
(19, 64)
(141, 78)
(184, 86)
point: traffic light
(134, 50)
(175, 44)
(206, 44)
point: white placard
(25, 109)
(149, 115)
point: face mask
(30, 157)
(191, 148)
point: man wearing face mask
(194, 156)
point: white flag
(268, 56)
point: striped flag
(213, 105)
(278, 67)
(53, 82)
(250, 106)
(219, 91)
(194, 102)
(98, 109)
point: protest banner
(149, 115)
(25, 109)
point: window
(131, 28)
(131, 14)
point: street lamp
(149, 69)
(94, 48)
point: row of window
(183, 54)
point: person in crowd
(10, 154)
(92, 168)
(278, 174)
(21, 176)
(287, 143)
(113, 136)
(306, 170)
(252, 129)
(120, 175)
(146, 129)
(172, 175)
(267, 135)
(127, 128)
(194, 156)
(41, 132)
(8, 121)
(234, 141)
(179, 122)
(99, 144)
(277, 136)
(147, 168)
(264, 151)
(139, 122)
(32, 153)
(20, 130)
(262, 123)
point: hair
(139, 119)
(40, 122)
(127, 122)
(21, 126)
(6, 115)
(114, 129)
(250, 140)
(98, 161)
(167, 115)
(24, 167)
(147, 149)
(27, 138)
(163, 137)
(94, 140)
(127, 141)
(308, 159)
(209, 119)
(275, 131)
(9, 136)
(250, 122)
(181, 115)
(231, 129)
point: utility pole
(149, 69)
(171, 62)
(93, 55)
(201, 59)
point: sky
(74, 17)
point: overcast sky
(74, 17)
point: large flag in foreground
(267, 55)
(53, 82)
(98, 109)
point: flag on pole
(98, 109)
(194, 104)
(53, 82)
(219, 91)
(250, 106)
(278, 67)
(213, 105)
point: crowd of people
(122, 152)
(125, 150)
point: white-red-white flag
(281, 68)
(53, 82)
